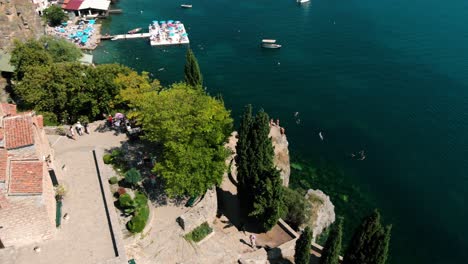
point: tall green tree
(302, 249)
(370, 242)
(192, 127)
(54, 15)
(332, 248)
(60, 49)
(243, 155)
(192, 72)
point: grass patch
(199, 233)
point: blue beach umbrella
(91, 22)
(79, 33)
(64, 23)
(184, 34)
(155, 21)
(170, 21)
(162, 22)
(171, 34)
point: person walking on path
(252, 241)
(72, 133)
(79, 128)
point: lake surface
(386, 77)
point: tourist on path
(72, 133)
(252, 241)
(79, 128)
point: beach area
(86, 34)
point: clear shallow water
(389, 77)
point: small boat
(271, 46)
(302, 1)
(133, 31)
(186, 6)
(321, 136)
(271, 41)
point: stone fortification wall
(323, 211)
(204, 211)
(281, 159)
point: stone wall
(281, 159)
(203, 211)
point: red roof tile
(74, 4)
(18, 131)
(26, 177)
(8, 109)
(3, 164)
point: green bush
(113, 180)
(125, 201)
(50, 119)
(138, 221)
(140, 199)
(107, 158)
(132, 176)
(199, 233)
(296, 209)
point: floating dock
(161, 33)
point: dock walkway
(131, 36)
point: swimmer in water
(320, 135)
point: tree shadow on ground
(229, 205)
(275, 256)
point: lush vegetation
(54, 15)
(260, 184)
(138, 208)
(296, 209)
(302, 249)
(132, 177)
(192, 127)
(113, 180)
(331, 250)
(193, 75)
(370, 242)
(199, 233)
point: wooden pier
(131, 36)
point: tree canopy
(193, 128)
(302, 249)
(193, 75)
(54, 14)
(370, 242)
(331, 250)
(260, 184)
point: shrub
(199, 233)
(107, 158)
(296, 208)
(125, 201)
(132, 176)
(113, 180)
(138, 221)
(50, 119)
(121, 191)
(140, 199)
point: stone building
(27, 199)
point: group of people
(80, 129)
(119, 122)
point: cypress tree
(302, 254)
(332, 248)
(268, 199)
(369, 244)
(242, 158)
(193, 76)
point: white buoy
(320, 135)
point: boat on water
(302, 1)
(133, 31)
(270, 41)
(271, 46)
(186, 6)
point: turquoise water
(387, 77)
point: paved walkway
(85, 237)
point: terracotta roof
(18, 131)
(74, 5)
(26, 177)
(8, 109)
(3, 164)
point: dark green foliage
(331, 250)
(199, 233)
(140, 199)
(370, 242)
(302, 255)
(125, 201)
(140, 217)
(132, 176)
(260, 185)
(107, 158)
(268, 200)
(193, 76)
(242, 158)
(296, 210)
(113, 180)
(54, 14)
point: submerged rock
(322, 211)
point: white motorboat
(271, 41)
(302, 1)
(186, 6)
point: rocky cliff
(322, 211)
